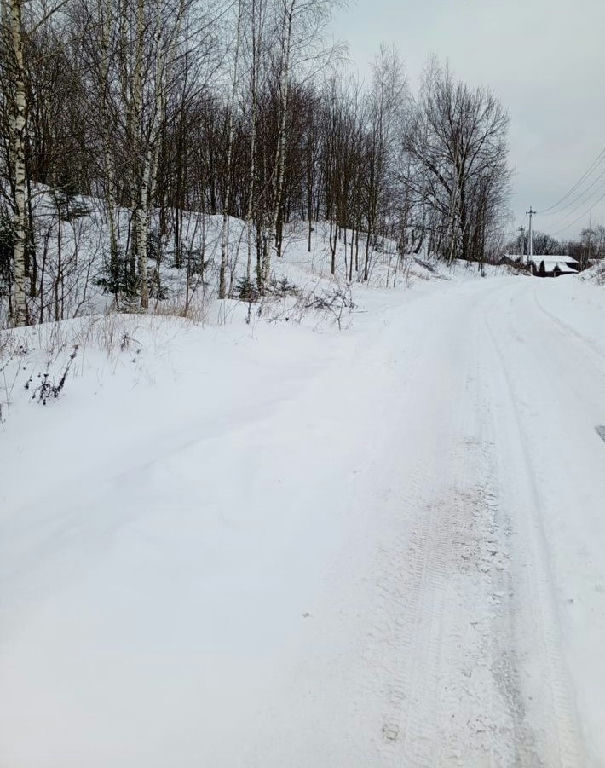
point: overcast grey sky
(544, 59)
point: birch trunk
(253, 119)
(148, 141)
(280, 157)
(142, 228)
(143, 159)
(18, 121)
(110, 202)
(251, 190)
(222, 291)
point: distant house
(544, 266)
(553, 266)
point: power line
(586, 173)
(581, 216)
(575, 204)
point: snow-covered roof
(554, 259)
(549, 261)
(565, 264)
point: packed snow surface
(285, 546)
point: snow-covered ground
(279, 544)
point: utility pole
(522, 233)
(531, 213)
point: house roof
(553, 259)
(537, 258)
(564, 264)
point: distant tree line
(236, 109)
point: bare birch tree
(14, 12)
(222, 291)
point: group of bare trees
(458, 156)
(159, 108)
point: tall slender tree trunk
(280, 157)
(17, 140)
(140, 214)
(148, 141)
(31, 262)
(222, 289)
(142, 228)
(110, 202)
(256, 42)
(310, 182)
(454, 207)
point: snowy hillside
(75, 271)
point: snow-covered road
(295, 549)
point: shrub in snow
(282, 288)
(332, 304)
(118, 277)
(335, 301)
(247, 290)
(48, 387)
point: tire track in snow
(516, 743)
(562, 746)
(457, 700)
(594, 352)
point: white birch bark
(280, 156)
(222, 291)
(148, 140)
(141, 156)
(253, 119)
(106, 32)
(18, 120)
